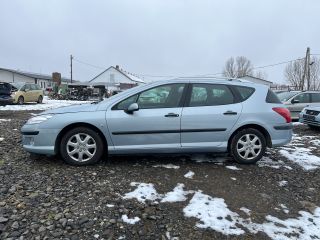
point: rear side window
(315, 97)
(244, 92)
(210, 95)
(272, 97)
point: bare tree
(260, 74)
(239, 67)
(294, 72)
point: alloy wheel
(249, 146)
(81, 147)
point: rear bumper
(281, 134)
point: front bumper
(37, 140)
(313, 120)
(6, 100)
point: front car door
(156, 125)
(298, 103)
(210, 113)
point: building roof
(257, 78)
(34, 75)
(126, 74)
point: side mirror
(132, 108)
(293, 101)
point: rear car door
(315, 99)
(210, 113)
(27, 94)
(156, 125)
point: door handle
(171, 115)
(230, 113)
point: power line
(88, 64)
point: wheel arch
(254, 126)
(75, 125)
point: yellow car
(26, 92)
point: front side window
(165, 96)
(210, 95)
(303, 98)
(315, 97)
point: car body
(26, 92)
(311, 116)
(295, 101)
(5, 93)
(185, 115)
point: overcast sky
(157, 37)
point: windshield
(285, 96)
(17, 85)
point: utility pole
(306, 71)
(71, 58)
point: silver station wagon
(173, 116)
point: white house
(257, 80)
(115, 78)
(43, 80)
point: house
(115, 79)
(257, 80)
(43, 80)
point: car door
(156, 125)
(27, 93)
(209, 115)
(315, 99)
(298, 102)
(33, 93)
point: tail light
(284, 112)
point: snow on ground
(189, 174)
(143, 192)
(268, 162)
(130, 220)
(283, 183)
(167, 166)
(233, 168)
(213, 213)
(1, 139)
(110, 205)
(176, 195)
(47, 104)
(5, 120)
(234, 179)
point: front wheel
(81, 146)
(40, 99)
(248, 146)
(20, 100)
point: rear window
(272, 97)
(244, 92)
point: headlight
(39, 119)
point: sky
(167, 38)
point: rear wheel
(248, 146)
(81, 146)
(20, 100)
(40, 99)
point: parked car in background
(295, 101)
(311, 117)
(5, 93)
(174, 116)
(26, 92)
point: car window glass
(315, 97)
(37, 87)
(165, 96)
(245, 92)
(210, 95)
(126, 103)
(32, 87)
(302, 98)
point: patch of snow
(130, 220)
(297, 123)
(303, 157)
(167, 166)
(176, 195)
(189, 174)
(47, 104)
(283, 183)
(96, 236)
(143, 192)
(315, 142)
(284, 208)
(5, 120)
(233, 178)
(110, 205)
(246, 210)
(233, 168)
(1, 139)
(213, 213)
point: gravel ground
(43, 198)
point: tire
(243, 153)
(73, 146)
(21, 100)
(40, 99)
(312, 127)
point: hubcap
(81, 147)
(249, 146)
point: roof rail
(213, 78)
